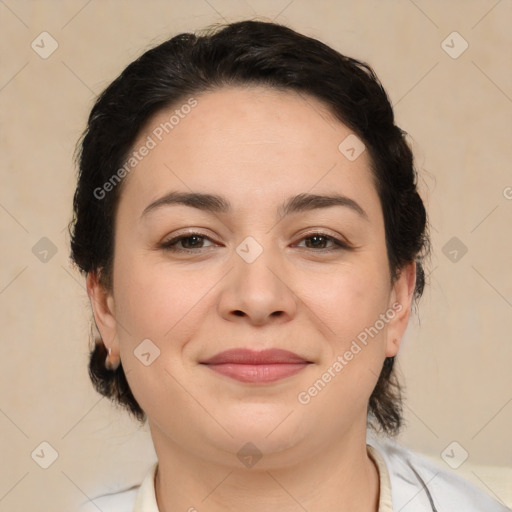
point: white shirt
(409, 482)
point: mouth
(257, 366)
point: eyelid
(166, 244)
(340, 243)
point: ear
(400, 303)
(102, 302)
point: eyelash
(338, 244)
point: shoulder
(123, 501)
(138, 498)
(419, 484)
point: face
(252, 269)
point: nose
(258, 292)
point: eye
(194, 242)
(189, 243)
(318, 241)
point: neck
(339, 477)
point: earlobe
(102, 303)
(401, 302)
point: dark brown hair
(243, 54)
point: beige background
(457, 363)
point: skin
(256, 147)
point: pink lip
(251, 366)
(246, 356)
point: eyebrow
(217, 204)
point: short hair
(242, 54)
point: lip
(253, 357)
(256, 367)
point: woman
(249, 224)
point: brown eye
(188, 242)
(193, 241)
(316, 242)
(319, 241)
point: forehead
(249, 143)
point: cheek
(347, 300)
(153, 301)
(348, 305)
